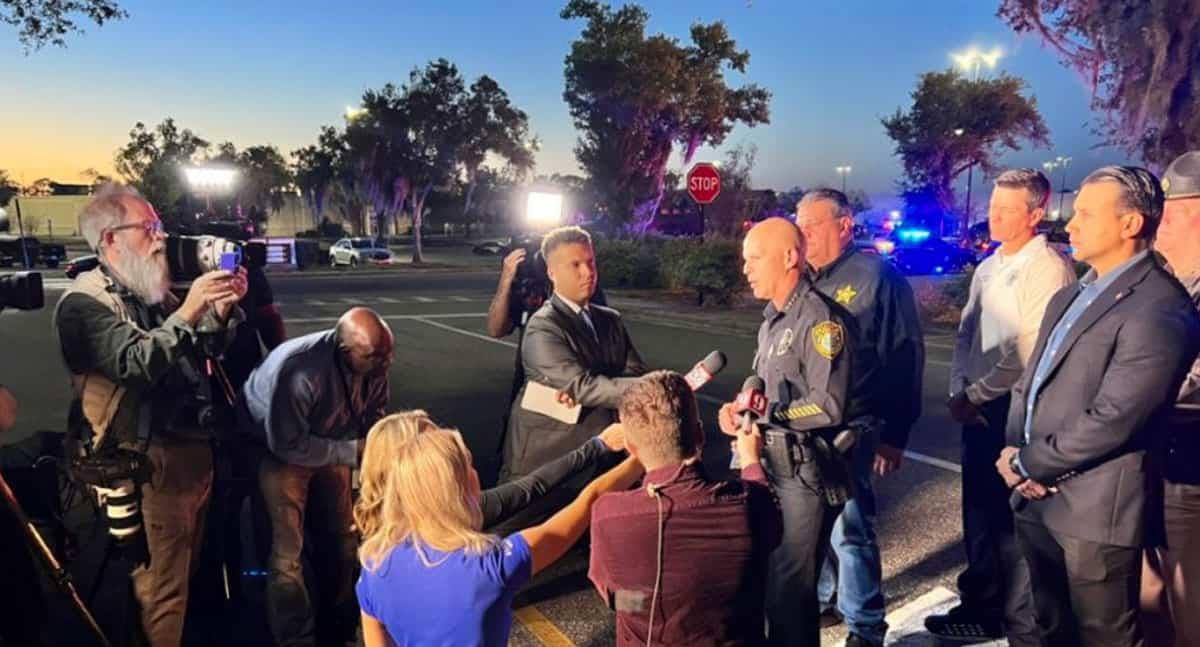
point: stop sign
(704, 183)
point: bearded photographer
(136, 364)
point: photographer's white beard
(145, 276)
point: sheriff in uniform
(803, 357)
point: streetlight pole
(843, 171)
(1059, 162)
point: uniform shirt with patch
(804, 357)
(716, 539)
(890, 351)
(462, 599)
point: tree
(859, 201)
(317, 170)
(42, 186)
(1139, 56)
(954, 124)
(153, 162)
(47, 22)
(8, 188)
(736, 187)
(265, 180)
(94, 177)
(493, 125)
(634, 98)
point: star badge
(845, 294)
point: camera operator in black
(136, 363)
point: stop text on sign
(704, 183)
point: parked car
(930, 255)
(53, 254)
(10, 248)
(359, 251)
(491, 248)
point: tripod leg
(59, 574)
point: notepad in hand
(542, 399)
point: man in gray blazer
(1110, 356)
(579, 349)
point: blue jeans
(854, 569)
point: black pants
(1086, 593)
(996, 580)
(792, 607)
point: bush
(942, 303)
(713, 268)
(628, 264)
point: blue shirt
(303, 402)
(462, 601)
(1091, 287)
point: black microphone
(704, 372)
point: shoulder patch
(829, 338)
(845, 294)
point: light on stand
(543, 209)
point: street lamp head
(993, 57)
(958, 132)
(353, 112)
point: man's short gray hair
(841, 203)
(569, 235)
(1140, 191)
(106, 209)
(1032, 180)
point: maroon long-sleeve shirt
(716, 538)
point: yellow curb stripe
(541, 627)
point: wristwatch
(1014, 465)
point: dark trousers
(996, 580)
(1086, 593)
(1170, 603)
(792, 606)
(319, 498)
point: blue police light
(938, 270)
(913, 235)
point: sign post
(703, 186)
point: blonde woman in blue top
(431, 576)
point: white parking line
(461, 299)
(932, 461)
(424, 299)
(387, 300)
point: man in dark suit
(579, 349)
(1110, 356)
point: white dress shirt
(999, 325)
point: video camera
(190, 256)
(22, 290)
(531, 284)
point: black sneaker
(963, 624)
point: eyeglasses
(151, 227)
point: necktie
(587, 320)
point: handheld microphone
(704, 372)
(751, 404)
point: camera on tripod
(22, 290)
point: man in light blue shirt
(1110, 357)
(311, 403)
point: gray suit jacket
(1115, 376)
(559, 351)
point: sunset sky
(255, 72)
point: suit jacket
(1114, 377)
(559, 351)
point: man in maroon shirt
(683, 559)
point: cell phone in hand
(229, 261)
